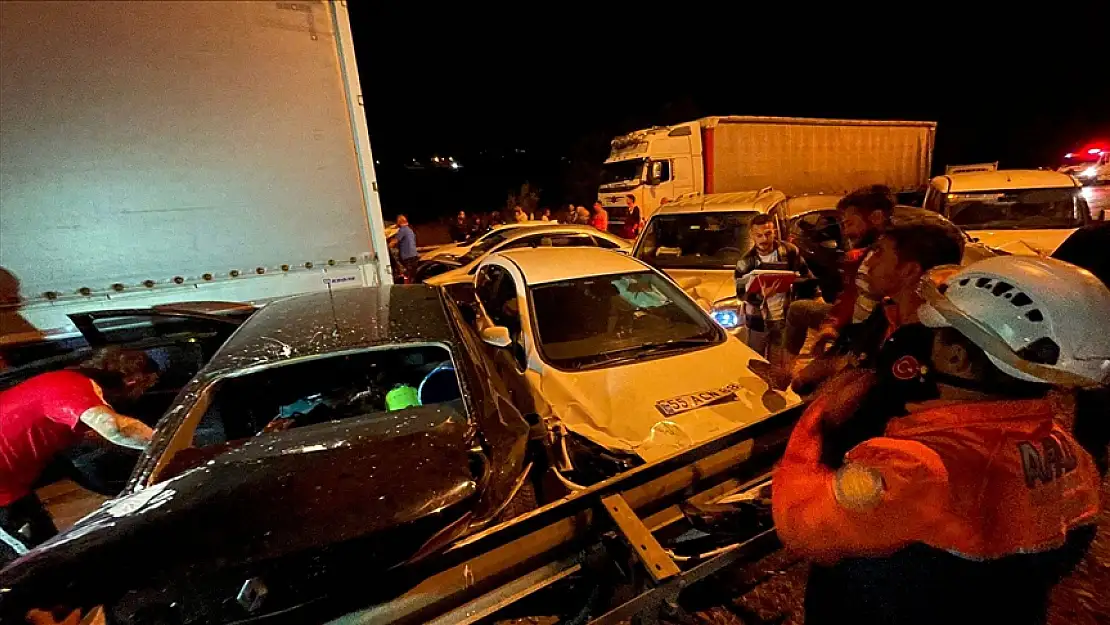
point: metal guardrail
(485, 572)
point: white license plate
(693, 401)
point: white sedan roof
(541, 265)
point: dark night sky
(543, 84)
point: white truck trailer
(793, 155)
(159, 152)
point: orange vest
(981, 480)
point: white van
(1016, 211)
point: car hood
(275, 495)
(1023, 242)
(455, 276)
(616, 407)
(705, 286)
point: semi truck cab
(655, 165)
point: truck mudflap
(643, 531)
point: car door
(179, 342)
(502, 305)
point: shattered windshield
(604, 320)
(622, 171)
(696, 240)
(379, 383)
(1016, 209)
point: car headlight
(1090, 172)
(727, 313)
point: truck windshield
(607, 320)
(622, 171)
(696, 240)
(1020, 209)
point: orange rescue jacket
(980, 480)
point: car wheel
(524, 501)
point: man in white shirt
(766, 309)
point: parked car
(440, 272)
(1017, 211)
(328, 431)
(452, 251)
(615, 356)
(697, 240)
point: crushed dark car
(334, 437)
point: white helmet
(1037, 319)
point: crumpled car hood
(616, 407)
(712, 285)
(1024, 242)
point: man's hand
(116, 428)
(826, 335)
(845, 391)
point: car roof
(803, 204)
(554, 228)
(1003, 179)
(346, 319)
(551, 264)
(759, 201)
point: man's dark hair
(877, 197)
(112, 368)
(927, 245)
(762, 219)
(631, 197)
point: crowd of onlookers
(467, 226)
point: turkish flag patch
(906, 368)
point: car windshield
(375, 384)
(622, 171)
(1016, 209)
(605, 320)
(696, 240)
(486, 245)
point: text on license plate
(692, 401)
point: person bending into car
(972, 504)
(44, 416)
(766, 309)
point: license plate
(693, 401)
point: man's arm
(883, 498)
(116, 428)
(743, 267)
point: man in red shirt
(49, 413)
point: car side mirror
(498, 336)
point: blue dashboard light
(728, 319)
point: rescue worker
(969, 508)
(44, 416)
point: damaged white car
(624, 368)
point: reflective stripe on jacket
(981, 480)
